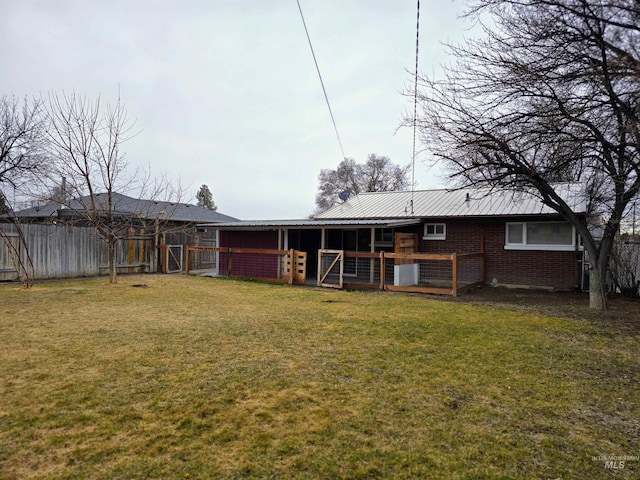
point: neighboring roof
(465, 202)
(126, 206)
(274, 224)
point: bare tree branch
(84, 141)
(378, 174)
(550, 93)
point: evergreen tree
(205, 198)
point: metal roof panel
(465, 202)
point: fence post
(382, 271)
(454, 269)
(131, 250)
(187, 255)
(291, 266)
(141, 252)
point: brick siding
(508, 267)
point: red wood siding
(250, 265)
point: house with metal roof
(421, 240)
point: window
(540, 236)
(515, 233)
(435, 231)
(384, 237)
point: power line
(324, 91)
(415, 106)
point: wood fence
(64, 251)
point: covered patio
(379, 254)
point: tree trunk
(597, 286)
(113, 278)
(599, 260)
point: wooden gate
(405, 244)
(10, 251)
(172, 259)
(330, 268)
(294, 267)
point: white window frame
(435, 236)
(526, 246)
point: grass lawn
(186, 377)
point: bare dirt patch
(623, 313)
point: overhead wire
(324, 90)
(415, 106)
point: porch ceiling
(308, 224)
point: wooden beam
(131, 250)
(372, 262)
(383, 272)
(261, 251)
(291, 266)
(141, 252)
(413, 289)
(420, 256)
(454, 270)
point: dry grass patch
(224, 379)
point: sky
(225, 92)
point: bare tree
(18, 252)
(624, 270)
(21, 132)
(378, 174)
(551, 92)
(21, 157)
(84, 142)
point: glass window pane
(549, 233)
(435, 230)
(515, 233)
